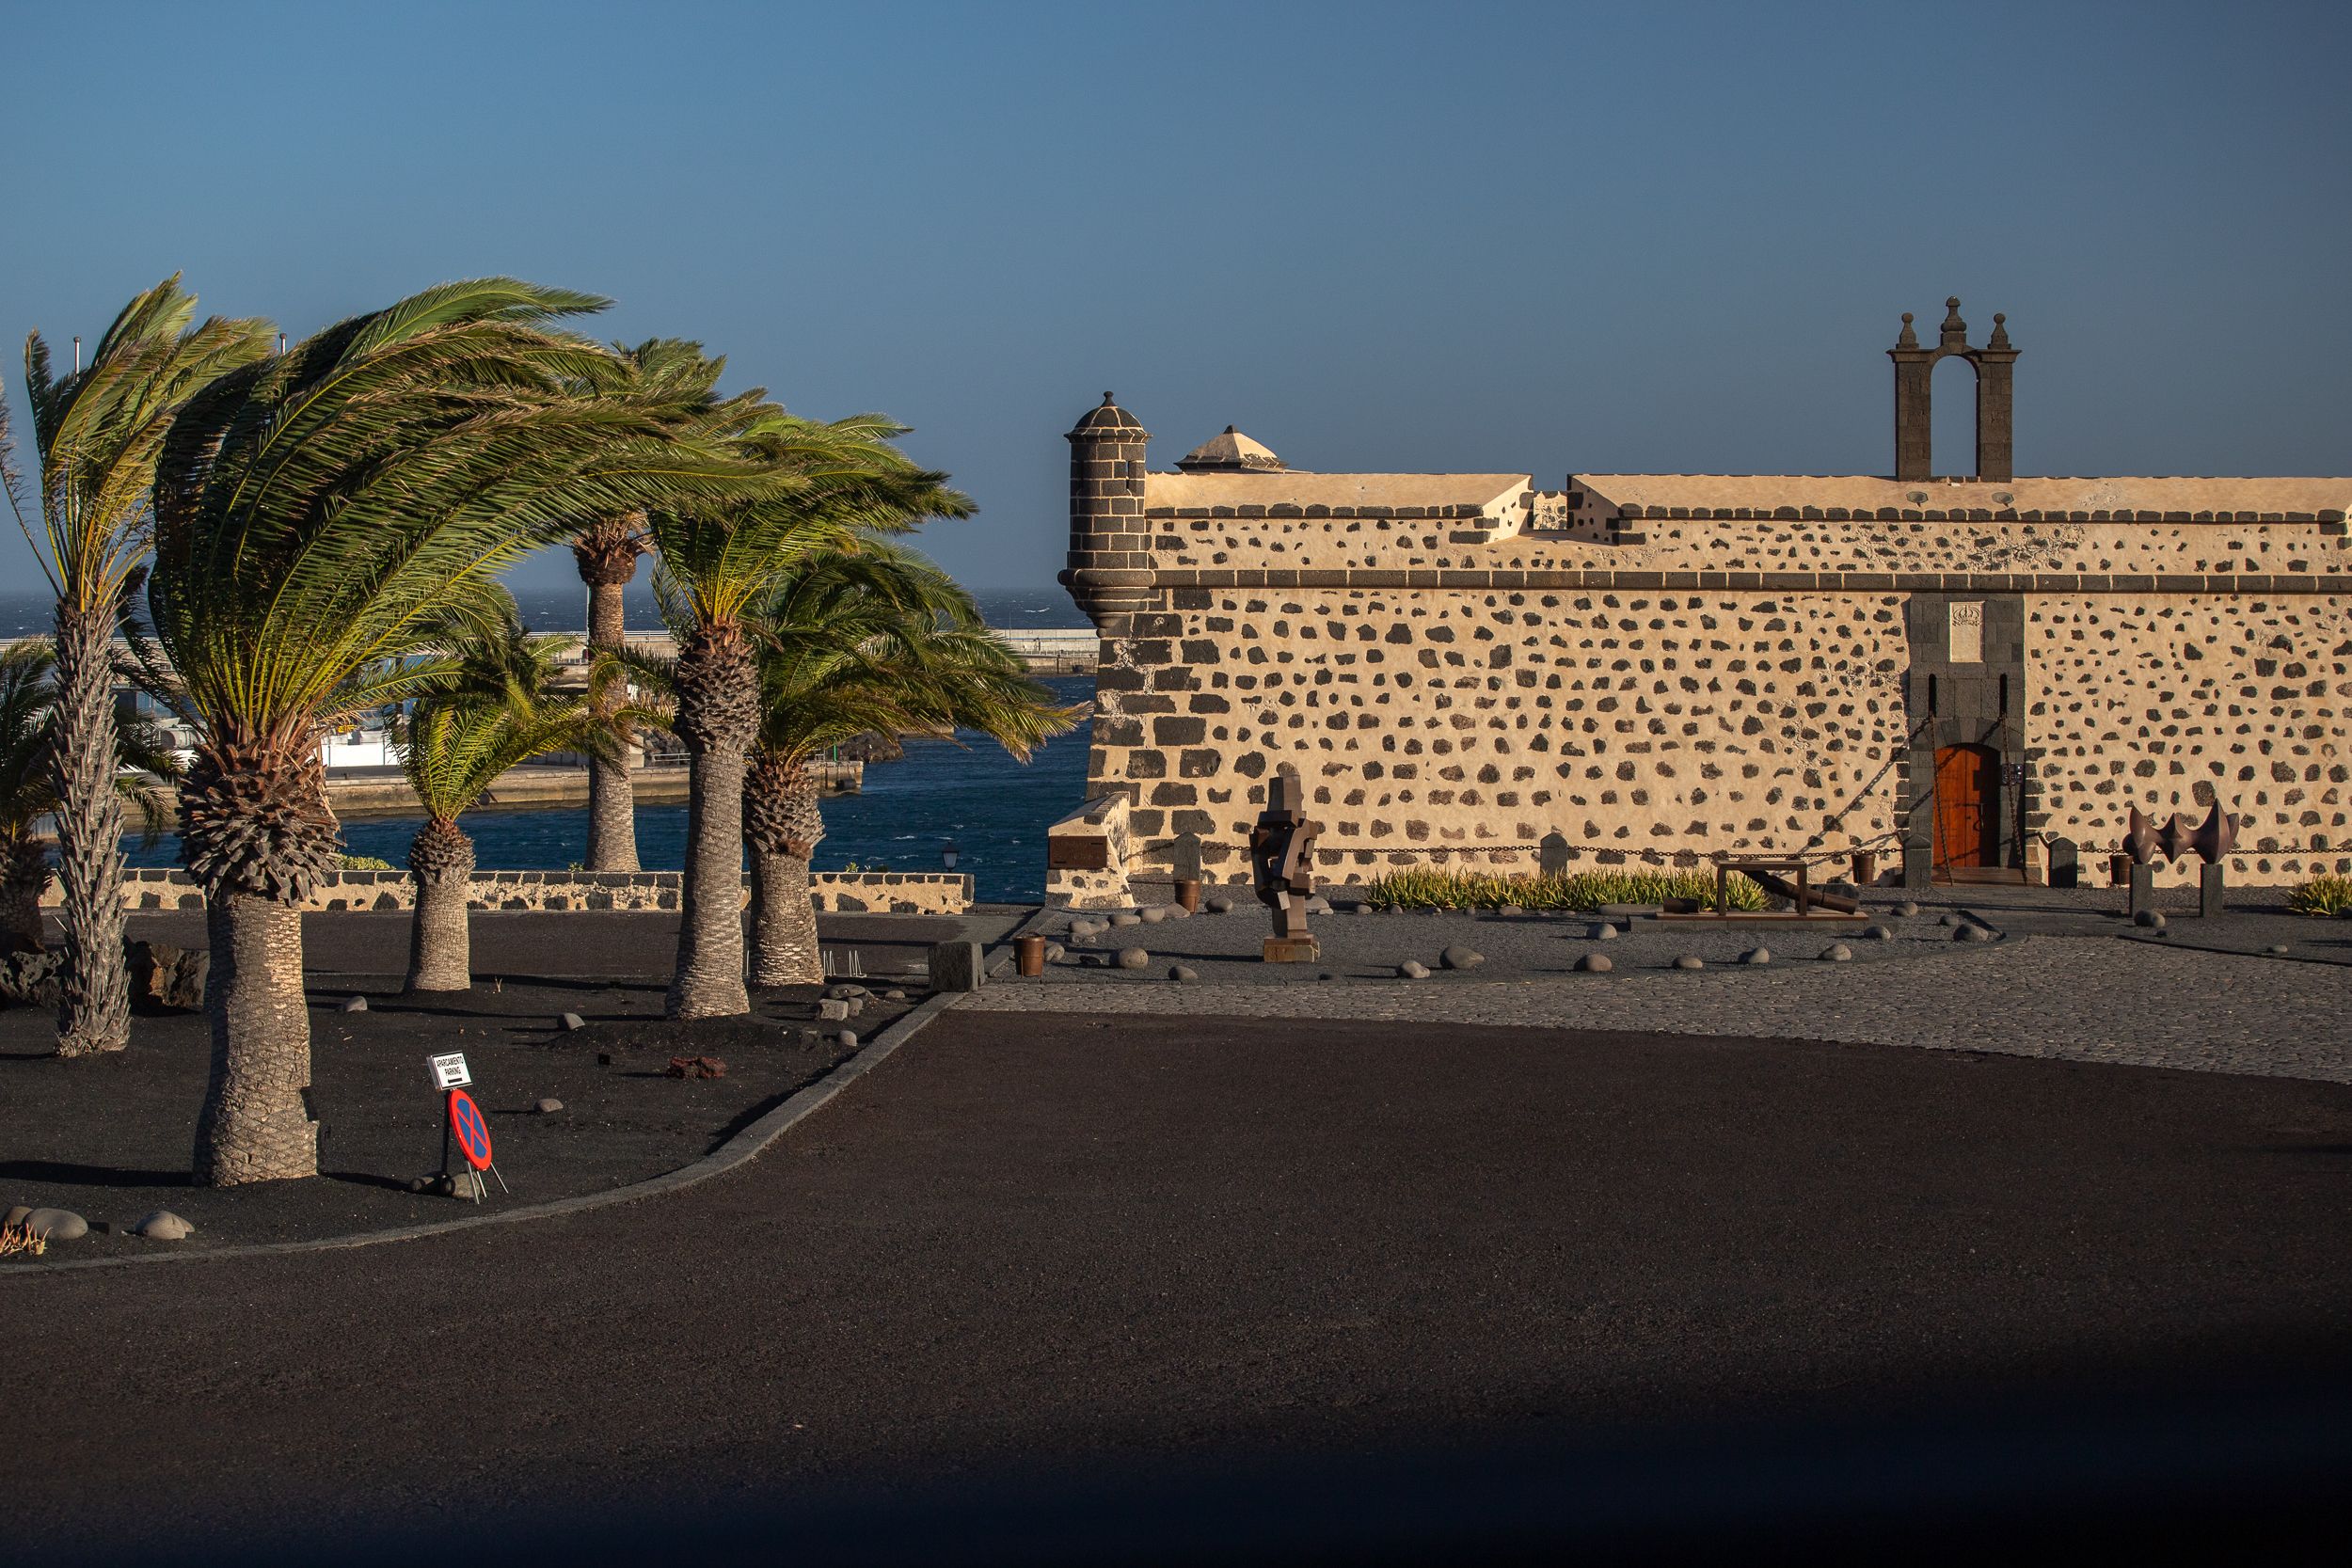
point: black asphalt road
(1029, 1240)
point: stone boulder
(169, 978)
(31, 979)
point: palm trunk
(611, 797)
(256, 1125)
(24, 876)
(440, 947)
(95, 1012)
(783, 822)
(784, 922)
(257, 835)
(709, 978)
(718, 714)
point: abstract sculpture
(2144, 842)
(1282, 864)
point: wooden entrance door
(1967, 787)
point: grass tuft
(2323, 894)
(1434, 888)
(20, 1238)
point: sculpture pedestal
(2210, 886)
(2143, 894)
(1292, 950)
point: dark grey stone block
(956, 966)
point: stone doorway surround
(1966, 687)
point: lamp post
(949, 855)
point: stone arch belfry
(1913, 366)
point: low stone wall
(835, 893)
(1086, 857)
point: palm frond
(337, 509)
(882, 641)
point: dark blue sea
(993, 809)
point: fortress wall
(1473, 542)
(1452, 691)
(2170, 702)
(1454, 727)
(1459, 665)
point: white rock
(1595, 963)
(58, 1225)
(549, 1106)
(1133, 958)
(164, 1226)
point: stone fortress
(1967, 678)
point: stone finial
(2000, 331)
(1909, 339)
(1955, 330)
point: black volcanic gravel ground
(110, 1137)
(1028, 1240)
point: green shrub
(1432, 888)
(2325, 894)
(361, 863)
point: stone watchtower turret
(1110, 560)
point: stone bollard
(2143, 895)
(956, 966)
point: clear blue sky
(1503, 238)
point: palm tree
(499, 710)
(847, 483)
(97, 429)
(28, 784)
(325, 517)
(25, 789)
(606, 552)
(883, 644)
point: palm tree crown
(499, 707)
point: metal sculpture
(1283, 866)
(2144, 842)
(2210, 840)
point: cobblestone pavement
(2076, 998)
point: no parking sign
(472, 1132)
